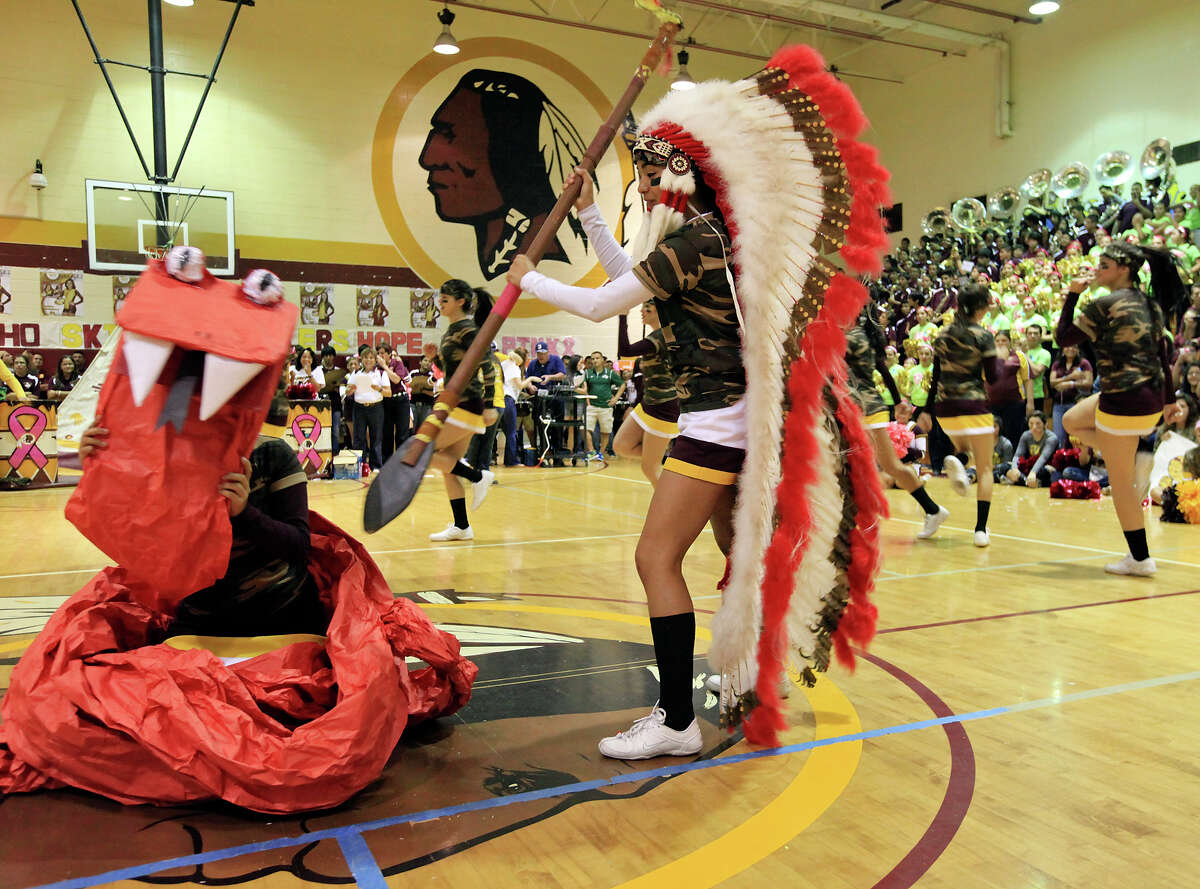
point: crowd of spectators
(377, 401)
(24, 376)
(1026, 263)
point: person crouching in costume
(457, 301)
(267, 589)
(686, 273)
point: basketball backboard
(128, 221)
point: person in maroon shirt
(396, 412)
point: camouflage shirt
(686, 274)
(1122, 326)
(453, 348)
(961, 350)
(860, 361)
(651, 376)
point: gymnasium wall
(1097, 76)
(321, 113)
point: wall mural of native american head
(470, 155)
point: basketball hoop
(159, 253)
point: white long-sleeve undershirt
(613, 258)
(614, 298)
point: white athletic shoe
(479, 489)
(982, 539)
(957, 474)
(932, 523)
(453, 532)
(1132, 567)
(649, 737)
(713, 683)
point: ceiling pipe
(1013, 17)
(689, 44)
(864, 16)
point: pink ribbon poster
(28, 443)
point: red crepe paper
(92, 705)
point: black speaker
(1186, 154)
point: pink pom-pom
(185, 263)
(262, 287)
(901, 436)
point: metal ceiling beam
(817, 7)
(864, 16)
(688, 44)
(1013, 17)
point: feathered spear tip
(663, 15)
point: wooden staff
(393, 488)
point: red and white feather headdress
(794, 185)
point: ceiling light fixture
(181, 2)
(683, 80)
(445, 43)
(1043, 7)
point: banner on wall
(316, 304)
(5, 290)
(54, 334)
(423, 308)
(121, 285)
(78, 410)
(371, 304)
(61, 291)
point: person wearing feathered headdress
(747, 183)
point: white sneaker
(649, 737)
(957, 474)
(453, 532)
(982, 539)
(932, 523)
(1132, 567)
(479, 489)
(713, 683)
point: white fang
(144, 359)
(223, 377)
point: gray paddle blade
(393, 489)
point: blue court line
(363, 866)
(357, 853)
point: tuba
(1036, 184)
(937, 222)
(1113, 168)
(1158, 162)
(968, 214)
(1071, 180)
(1004, 202)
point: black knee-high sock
(458, 506)
(922, 497)
(674, 645)
(982, 508)
(462, 470)
(1138, 547)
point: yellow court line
(15, 646)
(824, 777)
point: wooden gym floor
(1023, 719)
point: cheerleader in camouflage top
(964, 356)
(864, 355)
(654, 421)
(1126, 328)
(457, 301)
